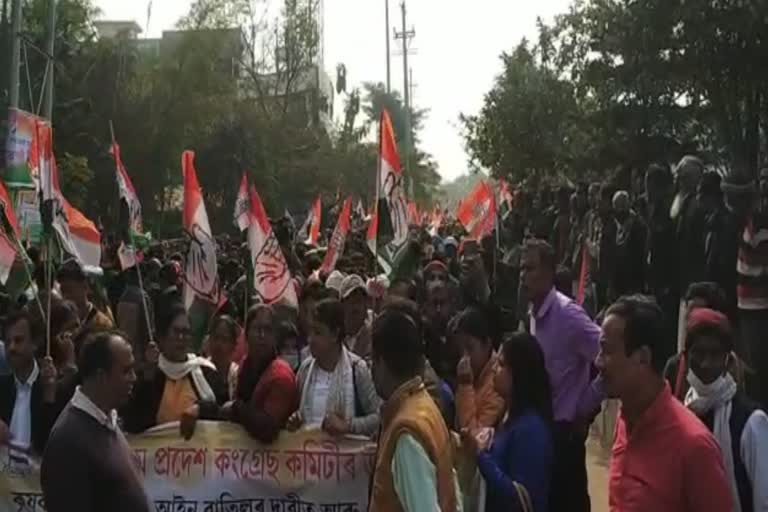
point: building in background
(308, 91)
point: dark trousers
(754, 348)
(568, 491)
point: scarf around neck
(341, 394)
(192, 367)
(717, 397)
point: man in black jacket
(28, 406)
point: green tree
(529, 123)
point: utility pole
(406, 35)
(51, 37)
(13, 86)
(386, 38)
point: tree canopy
(240, 88)
(613, 85)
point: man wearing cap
(750, 206)
(357, 325)
(739, 426)
(334, 281)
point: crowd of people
(656, 295)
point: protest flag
(202, 293)
(309, 233)
(477, 212)
(338, 239)
(271, 277)
(201, 272)
(132, 226)
(128, 194)
(393, 208)
(388, 231)
(242, 205)
(78, 235)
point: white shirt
(318, 402)
(85, 404)
(754, 455)
(21, 418)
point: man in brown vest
(414, 462)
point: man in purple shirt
(570, 342)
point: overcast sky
(456, 47)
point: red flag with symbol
(339, 238)
(201, 279)
(271, 277)
(477, 211)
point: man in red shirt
(664, 459)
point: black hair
(17, 316)
(699, 331)
(313, 290)
(711, 293)
(166, 316)
(411, 289)
(659, 174)
(643, 327)
(710, 184)
(545, 251)
(330, 313)
(524, 359)
(474, 322)
(397, 339)
(255, 310)
(229, 322)
(285, 331)
(96, 354)
(62, 311)
(71, 270)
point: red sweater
(273, 399)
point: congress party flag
(477, 211)
(127, 193)
(242, 205)
(310, 230)
(271, 277)
(78, 235)
(201, 273)
(392, 205)
(339, 238)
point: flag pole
(135, 259)
(11, 234)
(49, 240)
(376, 205)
